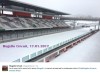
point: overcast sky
(74, 7)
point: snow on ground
(14, 53)
(86, 51)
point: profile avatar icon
(4, 68)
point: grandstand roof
(36, 8)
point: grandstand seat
(12, 23)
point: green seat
(33, 25)
(1, 29)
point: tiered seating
(30, 22)
(14, 23)
(40, 23)
(52, 22)
(46, 23)
(1, 28)
(61, 23)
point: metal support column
(2, 8)
(99, 26)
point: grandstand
(28, 25)
(20, 24)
